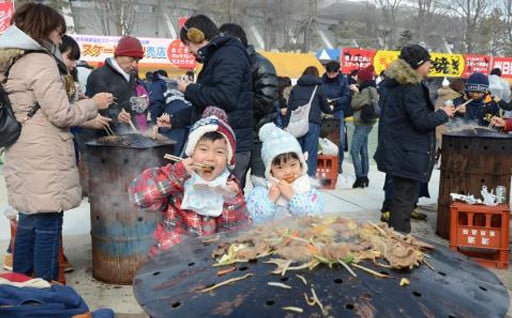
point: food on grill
(110, 140)
(305, 243)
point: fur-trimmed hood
(14, 43)
(402, 73)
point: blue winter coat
(301, 94)
(406, 145)
(225, 81)
(337, 88)
(156, 98)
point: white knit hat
(277, 142)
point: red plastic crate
(327, 171)
(481, 232)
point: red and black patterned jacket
(162, 189)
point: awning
(292, 64)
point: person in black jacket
(264, 81)
(406, 144)
(225, 81)
(299, 96)
(118, 76)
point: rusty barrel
(121, 233)
(470, 159)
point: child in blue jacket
(287, 190)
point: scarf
(206, 197)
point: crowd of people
(230, 124)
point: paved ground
(363, 204)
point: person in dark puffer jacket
(406, 144)
(299, 96)
(225, 81)
(264, 80)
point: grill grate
(168, 285)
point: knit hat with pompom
(213, 119)
(277, 142)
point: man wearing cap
(118, 76)
(406, 145)
(335, 87)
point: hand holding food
(99, 122)
(124, 117)
(449, 110)
(497, 122)
(103, 100)
(164, 121)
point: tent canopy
(292, 64)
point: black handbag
(10, 128)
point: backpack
(370, 112)
(298, 125)
(10, 127)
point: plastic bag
(327, 147)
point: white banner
(96, 48)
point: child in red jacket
(198, 195)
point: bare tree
(117, 14)
(425, 11)
(389, 10)
(471, 12)
(506, 7)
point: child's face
(211, 153)
(287, 171)
(476, 95)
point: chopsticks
(463, 104)
(199, 165)
(109, 131)
(172, 157)
(133, 125)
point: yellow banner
(443, 64)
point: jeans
(309, 144)
(37, 243)
(343, 135)
(242, 165)
(359, 150)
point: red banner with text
(6, 12)
(504, 64)
(355, 59)
(476, 63)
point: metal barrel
(121, 233)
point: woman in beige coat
(40, 168)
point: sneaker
(68, 267)
(384, 217)
(8, 262)
(416, 215)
